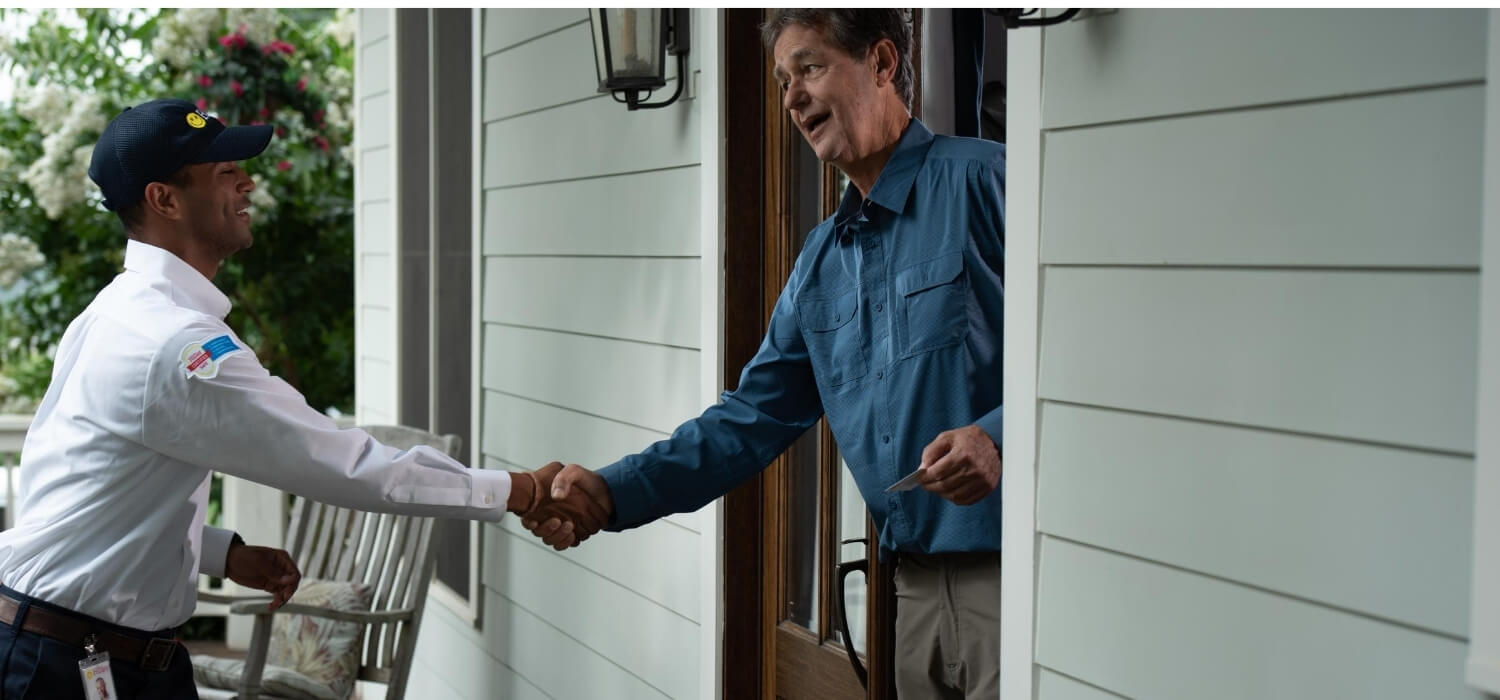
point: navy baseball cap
(150, 142)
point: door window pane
(802, 533)
(852, 518)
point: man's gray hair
(854, 31)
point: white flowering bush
(292, 68)
(18, 256)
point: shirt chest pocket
(834, 336)
(933, 305)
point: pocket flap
(929, 274)
(828, 314)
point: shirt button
(489, 498)
(886, 439)
(878, 307)
(880, 375)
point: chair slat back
(388, 553)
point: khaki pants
(948, 626)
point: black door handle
(844, 569)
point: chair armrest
(262, 607)
(209, 597)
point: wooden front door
(798, 535)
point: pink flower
(257, 122)
(233, 41)
(202, 104)
(277, 45)
(302, 84)
(322, 142)
(205, 81)
(239, 90)
(281, 131)
(284, 166)
(264, 112)
(318, 117)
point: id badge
(98, 682)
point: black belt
(148, 653)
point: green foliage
(293, 289)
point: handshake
(561, 505)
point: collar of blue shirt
(892, 189)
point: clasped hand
(568, 506)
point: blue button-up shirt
(891, 324)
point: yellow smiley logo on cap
(195, 121)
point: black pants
(33, 666)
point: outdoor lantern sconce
(630, 49)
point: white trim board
(705, 88)
(1022, 343)
(1483, 667)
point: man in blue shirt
(891, 325)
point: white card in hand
(907, 483)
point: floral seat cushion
(308, 657)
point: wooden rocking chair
(389, 554)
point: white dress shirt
(150, 392)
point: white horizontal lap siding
(1258, 344)
(1148, 631)
(1149, 63)
(590, 350)
(375, 283)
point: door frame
(744, 326)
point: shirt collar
(893, 187)
(189, 287)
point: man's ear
(884, 54)
(164, 200)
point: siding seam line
(1277, 267)
(572, 409)
(1436, 451)
(590, 256)
(537, 544)
(489, 121)
(580, 642)
(581, 178)
(1324, 605)
(648, 343)
(1323, 99)
(1081, 681)
(528, 40)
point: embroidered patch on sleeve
(202, 358)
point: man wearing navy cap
(151, 392)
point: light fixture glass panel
(596, 17)
(635, 42)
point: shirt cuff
(627, 491)
(489, 491)
(993, 423)
(216, 541)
